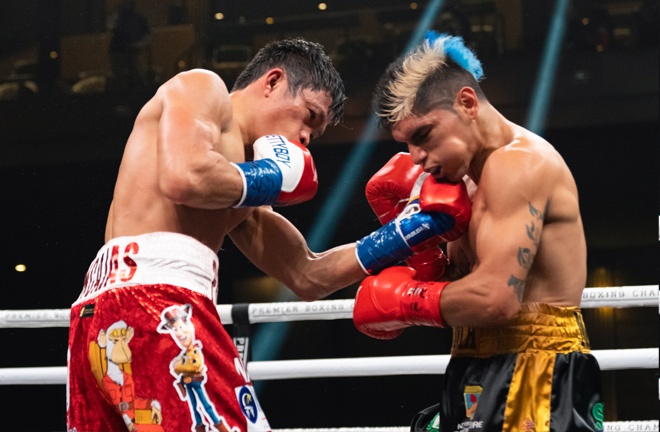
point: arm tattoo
(525, 258)
(532, 232)
(526, 255)
(537, 214)
(518, 285)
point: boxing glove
(395, 241)
(282, 173)
(447, 198)
(429, 260)
(393, 300)
(388, 192)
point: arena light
(541, 98)
(269, 338)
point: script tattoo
(526, 255)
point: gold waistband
(538, 326)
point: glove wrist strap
(262, 182)
(393, 242)
(420, 304)
(382, 248)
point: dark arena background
(64, 118)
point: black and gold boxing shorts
(534, 374)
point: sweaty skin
(176, 175)
(525, 241)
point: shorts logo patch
(434, 425)
(597, 414)
(471, 396)
(248, 404)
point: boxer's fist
(299, 178)
(447, 198)
(388, 303)
(448, 214)
(282, 173)
(388, 190)
(429, 260)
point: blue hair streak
(456, 50)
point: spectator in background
(130, 35)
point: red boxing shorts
(147, 350)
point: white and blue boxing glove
(443, 209)
(282, 173)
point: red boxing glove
(448, 198)
(393, 300)
(429, 260)
(281, 174)
(388, 190)
(299, 178)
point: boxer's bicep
(506, 246)
(510, 229)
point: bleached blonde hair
(398, 93)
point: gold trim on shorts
(538, 326)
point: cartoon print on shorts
(110, 359)
(188, 368)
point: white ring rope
(637, 358)
(592, 298)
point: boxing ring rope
(639, 358)
(616, 297)
(592, 298)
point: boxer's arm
(195, 110)
(275, 246)
(513, 205)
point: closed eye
(420, 136)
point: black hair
(306, 65)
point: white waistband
(154, 258)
